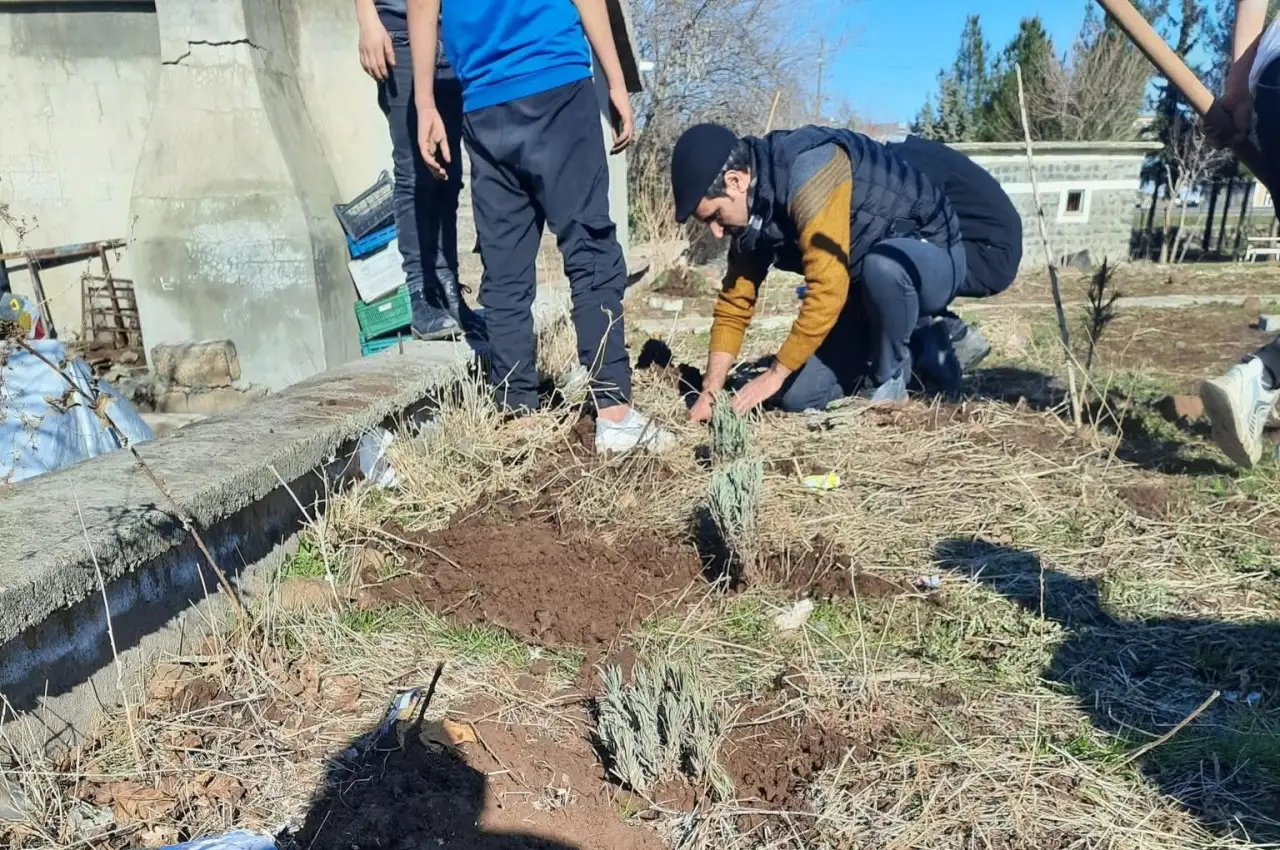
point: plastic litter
(44, 424)
(1251, 699)
(830, 481)
(929, 582)
(374, 464)
(794, 618)
(238, 840)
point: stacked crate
(383, 311)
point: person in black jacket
(991, 230)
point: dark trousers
(1266, 109)
(902, 280)
(426, 209)
(534, 161)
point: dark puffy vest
(992, 227)
(890, 198)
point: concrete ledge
(54, 653)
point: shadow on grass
(381, 794)
(1146, 438)
(1139, 679)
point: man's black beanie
(700, 153)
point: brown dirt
(772, 762)
(1157, 499)
(511, 790)
(525, 577)
(820, 570)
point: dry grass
(1074, 625)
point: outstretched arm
(734, 309)
(1251, 19)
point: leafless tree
(1097, 94)
(713, 60)
(1190, 158)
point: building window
(1073, 205)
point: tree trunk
(1184, 238)
(1244, 213)
(1275, 231)
(1149, 236)
(1226, 214)
(1166, 243)
(1208, 224)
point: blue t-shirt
(503, 50)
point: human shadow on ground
(1139, 679)
(397, 791)
(1146, 440)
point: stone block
(206, 402)
(1252, 307)
(198, 365)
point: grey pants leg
(904, 279)
(426, 209)
(836, 370)
(534, 160)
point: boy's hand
(433, 141)
(377, 53)
(623, 119)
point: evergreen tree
(1032, 50)
(926, 123)
(971, 74)
(953, 111)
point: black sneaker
(431, 323)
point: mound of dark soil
(526, 577)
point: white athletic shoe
(1238, 404)
(635, 431)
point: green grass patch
(306, 562)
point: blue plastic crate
(372, 243)
(373, 346)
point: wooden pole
(1168, 63)
(1064, 334)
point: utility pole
(817, 105)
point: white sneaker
(635, 431)
(1238, 404)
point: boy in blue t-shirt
(531, 122)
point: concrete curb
(220, 469)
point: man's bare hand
(434, 142)
(377, 53)
(758, 391)
(701, 411)
(1232, 132)
(624, 119)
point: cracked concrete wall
(232, 200)
(77, 96)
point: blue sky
(895, 48)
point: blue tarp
(44, 424)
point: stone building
(1089, 191)
(216, 135)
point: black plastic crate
(370, 211)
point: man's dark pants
(426, 209)
(534, 161)
(1266, 106)
(902, 279)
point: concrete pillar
(340, 97)
(232, 220)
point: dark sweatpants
(541, 159)
(426, 209)
(902, 279)
(1266, 107)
